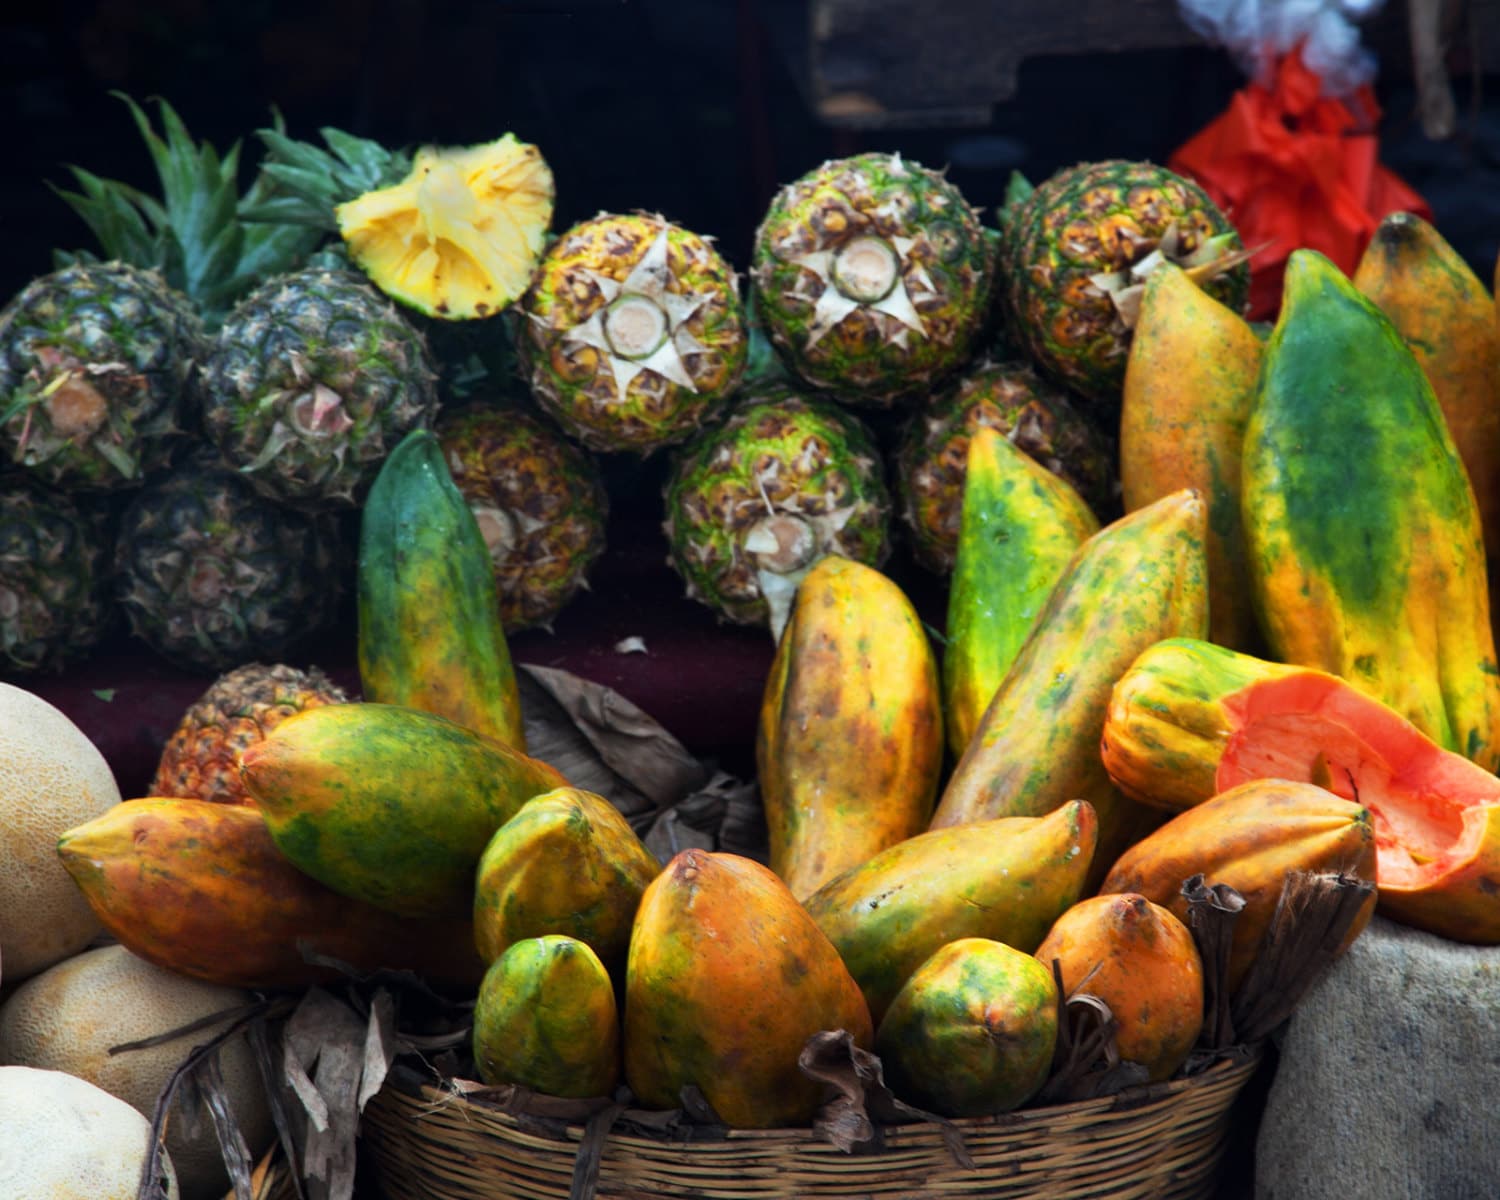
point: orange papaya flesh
(200, 889)
(849, 743)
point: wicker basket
(1157, 1142)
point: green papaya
(430, 635)
(389, 805)
(1366, 555)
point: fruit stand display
(1092, 664)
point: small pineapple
(873, 277)
(211, 574)
(54, 575)
(635, 332)
(1075, 255)
(200, 760)
(95, 361)
(1036, 416)
(539, 501)
(753, 503)
(311, 382)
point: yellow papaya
(1365, 547)
(727, 978)
(849, 742)
(1020, 525)
(1189, 385)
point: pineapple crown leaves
(195, 233)
(312, 181)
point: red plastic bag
(1291, 168)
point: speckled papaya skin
(1138, 580)
(545, 1018)
(1365, 547)
(1006, 879)
(200, 889)
(1250, 837)
(973, 1032)
(849, 742)
(389, 805)
(567, 863)
(1020, 527)
(430, 635)
(727, 978)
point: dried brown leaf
(1212, 912)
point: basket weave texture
(1156, 1142)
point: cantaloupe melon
(51, 779)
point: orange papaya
(1019, 527)
(1365, 547)
(1251, 837)
(1005, 879)
(1139, 579)
(973, 1031)
(200, 889)
(388, 804)
(429, 628)
(1189, 385)
(1447, 317)
(727, 978)
(849, 742)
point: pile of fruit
(1218, 613)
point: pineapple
(1075, 254)
(311, 382)
(873, 277)
(95, 362)
(54, 562)
(1034, 415)
(539, 501)
(200, 760)
(211, 574)
(634, 333)
(752, 504)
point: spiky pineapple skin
(947, 271)
(1033, 413)
(1085, 220)
(54, 577)
(96, 361)
(540, 502)
(777, 451)
(311, 381)
(574, 382)
(200, 759)
(211, 574)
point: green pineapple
(634, 332)
(754, 502)
(873, 277)
(211, 574)
(54, 575)
(539, 501)
(1075, 254)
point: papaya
(1446, 316)
(1139, 579)
(545, 1019)
(849, 742)
(1005, 879)
(387, 804)
(973, 1032)
(567, 863)
(1142, 961)
(1365, 547)
(429, 629)
(1190, 383)
(199, 888)
(1020, 525)
(726, 979)
(1251, 836)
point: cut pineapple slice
(460, 236)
